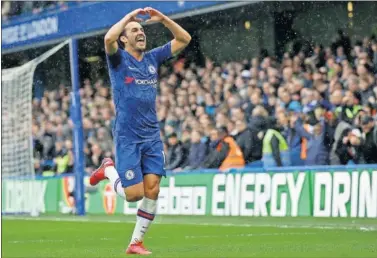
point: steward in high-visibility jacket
(350, 108)
(225, 152)
(275, 150)
(347, 113)
(234, 158)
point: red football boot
(99, 174)
(137, 248)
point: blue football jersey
(134, 87)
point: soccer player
(139, 156)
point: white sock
(145, 216)
(113, 176)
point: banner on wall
(82, 19)
(317, 194)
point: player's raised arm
(181, 37)
(111, 37)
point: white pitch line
(34, 241)
(253, 235)
(306, 226)
(43, 241)
(361, 228)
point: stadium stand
(313, 108)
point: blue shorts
(134, 160)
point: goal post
(78, 135)
(21, 191)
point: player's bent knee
(152, 186)
(152, 192)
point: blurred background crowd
(253, 89)
(12, 9)
(316, 106)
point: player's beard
(141, 46)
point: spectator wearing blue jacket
(292, 137)
(319, 140)
(198, 151)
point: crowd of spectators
(313, 107)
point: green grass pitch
(182, 236)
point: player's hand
(133, 15)
(155, 16)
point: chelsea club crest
(152, 69)
(130, 174)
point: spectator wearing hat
(340, 131)
(369, 147)
(349, 149)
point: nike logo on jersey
(132, 68)
(128, 80)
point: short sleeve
(162, 53)
(115, 59)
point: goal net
(20, 190)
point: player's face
(136, 36)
